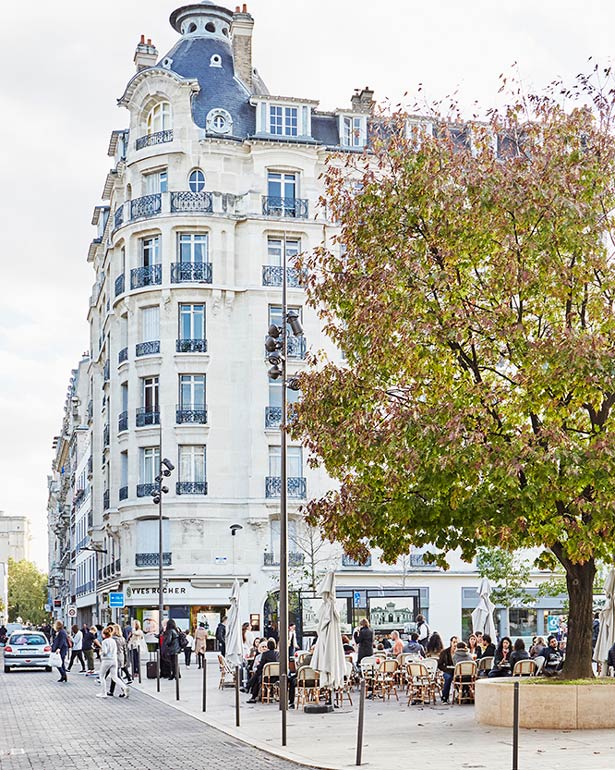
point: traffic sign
(116, 599)
(71, 612)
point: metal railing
(122, 422)
(90, 409)
(90, 465)
(273, 416)
(297, 208)
(191, 414)
(348, 561)
(191, 346)
(122, 356)
(152, 559)
(192, 201)
(106, 500)
(106, 436)
(123, 493)
(195, 272)
(149, 348)
(296, 486)
(119, 216)
(145, 276)
(146, 206)
(191, 488)
(158, 137)
(143, 490)
(120, 284)
(147, 417)
(296, 347)
(273, 275)
(117, 565)
(106, 371)
(295, 559)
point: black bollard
(176, 676)
(139, 664)
(237, 696)
(360, 723)
(204, 684)
(515, 756)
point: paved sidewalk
(48, 726)
(396, 736)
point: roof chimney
(362, 100)
(146, 54)
(241, 35)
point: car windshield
(29, 639)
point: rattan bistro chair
(227, 673)
(421, 684)
(525, 668)
(270, 682)
(308, 689)
(484, 666)
(464, 681)
(385, 682)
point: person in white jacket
(77, 648)
(108, 665)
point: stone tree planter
(547, 705)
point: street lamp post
(276, 345)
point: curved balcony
(295, 208)
(145, 276)
(146, 206)
(106, 436)
(191, 272)
(152, 559)
(118, 217)
(295, 486)
(122, 356)
(106, 500)
(122, 422)
(120, 285)
(195, 415)
(191, 202)
(191, 346)
(149, 348)
(151, 140)
(191, 488)
(145, 490)
(123, 495)
(273, 275)
(147, 417)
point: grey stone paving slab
(45, 725)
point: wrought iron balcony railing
(191, 201)
(106, 436)
(145, 276)
(122, 356)
(106, 371)
(146, 416)
(106, 500)
(90, 465)
(144, 490)
(117, 565)
(120, 285)
(147, 206)
(149, 348)
(122, 422)
(296, 346)
(348, 561)
(90, 409)
(285, 207)
(152, 559)
(119, 216)
(191, 272)
(123, 494)
(273, 416)
(191, 346)
(159, 137)
(185, 414)
(273, 275)
(296, 486)
(295, 559)
(191, 488)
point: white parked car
(26, 649)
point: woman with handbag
(60, 646)
(108, 665)
(136, 645)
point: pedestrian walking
(108, 665)
(60, 645)
(170, 648)
(136, 645)
(189, 647)
(87, 645)
(200, 644)
(221, 636)
(122, 653)
(77, 648)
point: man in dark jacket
(87, 646)
(447, 667)
(554, 660)
(270, 656)
(221, 636)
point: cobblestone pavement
(49, 726)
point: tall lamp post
(276, 345)
(164, 471)
(96, 551)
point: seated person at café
(413, 645)
(398, 645)
(487, 646)
(271, 655)
(553, 658)
(446, 666)
(519, 653)
(462, 654)
(501, 659)
(348, 647)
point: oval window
(197, 180)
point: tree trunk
(580, 584)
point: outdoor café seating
(484, 666)
(308, 689)
(464, 681)
(385, 681)
(525, 668)
(270, 682)
(227, 673)
(347, 686)
(421, 683)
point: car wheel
(7, 669)
(47, 668)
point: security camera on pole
(276, 345)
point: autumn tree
(471, 289)
(509, 574)
(27, 589)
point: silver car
(26, 649)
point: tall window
(192, 463)
(147, 536)
(193, 247)
(159, 118)
(283, 120)
(275, 249)
(156, 182)
(191, 391)
(124, 396)
(192, 322)
(352, 131)
(150, 394)
(123, 469)
(275, 394)
(150, 464)
(150, 323)
(275, 537)
(196, 180)
(150, 251)
(294, 461)
(281, 185)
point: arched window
(196, 180)
(159, 118)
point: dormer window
(282, 117)
(353, 130)
(159, 118)
(219, 122)
(282, 120)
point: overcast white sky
(66, 62)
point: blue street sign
(356, 598)
(116, 599)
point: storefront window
(522, 622)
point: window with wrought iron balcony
(150, 271)
(273, 270)
(158, 126)
(193, 265)
(296, 346)
(191, 407)
(296, 483)
(273, 412)
(281, 199)
(149, 413)
(191, 337)
(150, 332)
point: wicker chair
(421, 683)
(464, 681)
(525, 668)
(385, 682)
(227, 673)
(270, 682)
(484, 666)
(308, 689)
